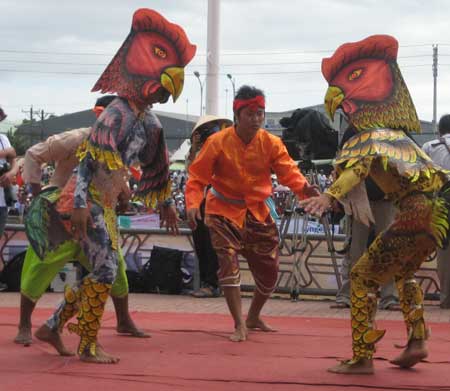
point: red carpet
(192, 352)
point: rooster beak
(333, 99)
(172, 79)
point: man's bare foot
(414, 353)
(45, 334)
(23, 337)
(131, 330)
(258, 324)
(240, 334)
(363, 366)
(101, 358)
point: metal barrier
(315, 273)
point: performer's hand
(317, 205)
(169, 218)
(311, 190)
(80, 218)
(193, 215)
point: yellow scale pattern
(391, 146)
(93, 297)
(418, 215)
(71, 306)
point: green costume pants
(37, 274)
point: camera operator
(8, 169)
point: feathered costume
(366, 83)
(150, 63)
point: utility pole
(435, 73)
(29, 111)
(31, 114)
(226, 102)
(42, 116)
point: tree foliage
(18, 142)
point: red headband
(253, 103)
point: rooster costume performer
(148, 68)
(365, 81)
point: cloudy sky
(53, 51)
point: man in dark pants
(362, 236)
(7, 157)
(207, 258)
(439, 151)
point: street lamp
(232, 82)
(226, 102)
(197, 75)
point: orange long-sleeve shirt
(241, 171)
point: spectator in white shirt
(439, 151)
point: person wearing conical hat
(205, 127)
(147, 69)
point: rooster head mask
(150, 63)
(365, 82)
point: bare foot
(414, 353)
(131, 330)
(258, 324)
(23, 337)
(100, 358)
(363, 366)
(45, 334)
(240, 334)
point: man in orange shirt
(237, 162)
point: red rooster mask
(365, 81)
(152, 57)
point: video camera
(309, 136)
(4, 167)
(9, 197)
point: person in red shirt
(237, 162)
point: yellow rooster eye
(355, 74)
(159, 52)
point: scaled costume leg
(100, 248)
(397, 252)
(383, 212)
(94, 290)
(37, 275)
